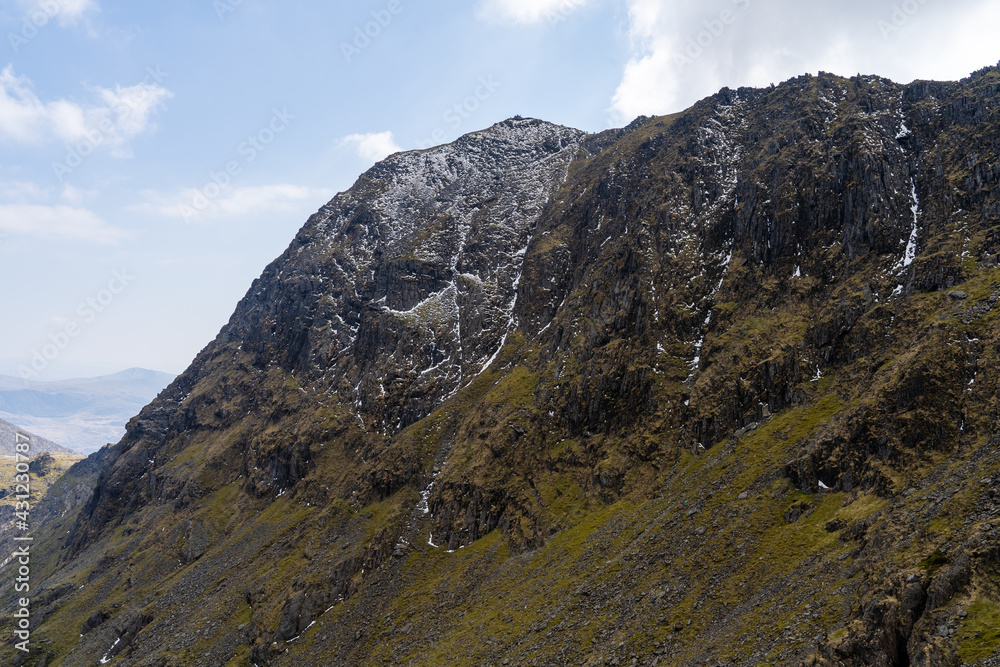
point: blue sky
(154, 157)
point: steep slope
(60, 484)
(718, 387)
(45, 463)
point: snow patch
(105, 660)
(911, 245)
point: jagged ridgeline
(717, 388)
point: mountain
(718, 388)
(9, 440)
(46, 462)
(86, 413)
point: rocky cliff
(716, 388)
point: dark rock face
(394, 296)
(399, 292)
(769, 323)
(94, 621)
(41, 465)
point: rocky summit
(718, 388)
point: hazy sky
(154, 157)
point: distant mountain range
(8, 439)
(84, 414)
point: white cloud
(373, 146)
(276, 198)
(75, 195)
(130, 110)
(683, 52)
(58, 223)
(28, 209)
(22, 192)
(529, 11)
(194, 204)
(123, 114)
(67, 11)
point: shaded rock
(795, 512)
(95, 620)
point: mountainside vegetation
(720, 387)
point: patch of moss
(934, 562)
(979, 634)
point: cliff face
(717, 386)
(392, 298)
(399, 292)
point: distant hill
(85, 413)
(8, 438)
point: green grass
(979, 634)
(40, 484)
